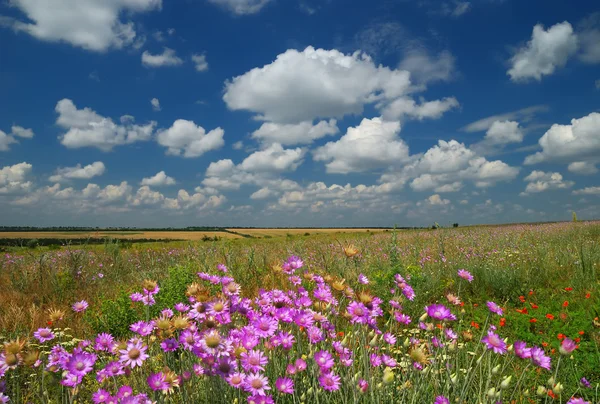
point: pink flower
(79, 307)
(256, 384)
(134, 354)
(44, 334)
(539, 358)
(463, 273)
(521, 350)
(567, 346)
(363, 279)
(494, 308)
(285, 385)
(324, 360)
(494, 342)
(439, 312)
(329, 381)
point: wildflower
(363, 385)
(402, 318)
(100, 396)
(169, 345)
(533, 320)
(254, 361)
(375, 360)
(134, 354)
(44, 334)
(439, 312)
(577, 400)
(358, 312)
(585, 383)
(324, 360)
(300, 364)
(285, 385)
(363, 279)
(389, 338)
(567, 346)
(539, 358)
(565, 303)
(441, 400)
(350, 251)
(329, 381)
(79, 307)
(550, 316)
(452, 299)
(494, 342)
(81, 364)
(494, 308)
(260, 399)
(158, 381)
(521, 350)
(104, 342)
(465, 275)
(256, 384)
(236, 380)
(450, 334)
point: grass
(545, 277)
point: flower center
(257, 383)
(134, 353)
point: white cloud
(314, 83)
(522, 115)
(540, 181)
(263, 193)
(16, 131)
(90, 24)
(407, 107)
(425, 68)
(587, 191)
(293, 134)
(85, 128)
(583, 167)
(158, 180)
(500, 134)
(167, 58)
(273, 158)
(200, 63)
(77, 173)
(112, 193)
(146, 196)
(186, 138)
(435, 199)
(155, 104)
(239, 145)
(13, 178)
(544, 53)
(588, 33)
(578, 141)
(372, 144)
(241, 7)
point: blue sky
(298, 112)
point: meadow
(468, 315)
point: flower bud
(454, 378)
(423, 317)
(541, 391)
(558, 388)
(496, 370)
(491, 393)
(550, 381)
(406, 343)
(388, 376)
(506, 382)
(373, 341)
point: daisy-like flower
(452, 299)
(4, 398)
(169, 345)
(236, 380)
(80, 364)
(585, 383)
(494, 308)
(450, 334)
(265, 326)
(402, 318)
(79, 307)
(104, 342)
(324, 360)
(389, 338)
(521, 350)
(539, 358)
(44, 334)
(258, 399)
(494, 342)
(212, 342)
(363, 279)
(136, 297)
(300, 364)
(358, 312)
(363, 385)
(466, 275)
(158, 382)
(181, 307)
(256, 384)
(439, 312)
(375, 360)
(329, 381)
(134, 354)
(285, 385)
(254, 360)
(577, 400)
(124, 392)
(567, 346)
(441, 400)
(217, 307)
(100, 396)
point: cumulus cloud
(315, 83)
(435, 199)
(167, 58)
(583, 167)
(372, 144)
(85, 128)
(90, 24)
(500, 134)
(241, 7)
(155, 104)
(16, 132)
(540, 181)
(272, 159)
(522, 115)
(78, 172)
(294, 133)
(190, 140)
(200, 63)
(587, 191)
(13, 178)
(544, 53)
(160, 179)
(578, 141)
(407, 107)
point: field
(468, 315)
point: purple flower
(324, 360)
(363, 385)
(441, 400)
(169, 345)
(104, 342)
(389, 338)
(439, 312)
(4, 398)
(222, 268)
(44, 334)
(363, 279)
(158, 381)
(494, 308)
(124, 391)
(402, 318)
(450, 334)
(567, 346)
(358, 312)
(521, 350)
(79, 307)
(134, 354)
(375, 360)
(256, 384)
(494, 342)
(329, 381)
(285, 385)
(585, 383)
(539, 358)
(577, 400)
(80, 364)
(300, 364)
(100, 396)
(260, 399)
(236, 380)
(254, 361)
(136, 297)
(463, 273)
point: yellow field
(284, 232)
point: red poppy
(474, 324)
(550, 316)
(533, 320)
(565, 303)
(568, 289)
(522, 311)
(341, 334)
(475, 305)
(502, 322)
(588, 295)
(522, 299)
(534, 306)
(577, 340)
(581, 332)
(544, 344)
(561, 336)
(551, 394)
(531, 292)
